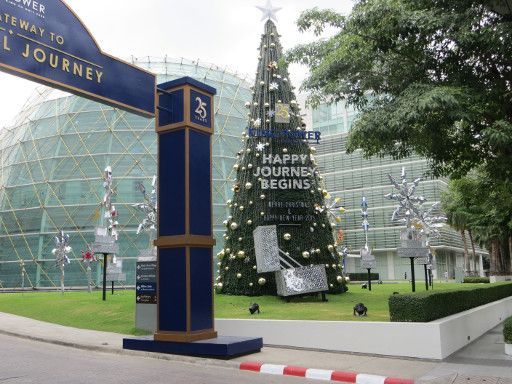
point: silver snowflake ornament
(409, 205)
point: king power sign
(46, 42)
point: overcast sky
(222, 32)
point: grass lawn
(117, 314)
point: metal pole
(431, 279)
(105, 276)
(426, 276)
(413, 278)
(369, 279)
(112, 286)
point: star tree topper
(269, 12)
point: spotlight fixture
(254, 308)
(360, 310)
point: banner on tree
(284, 172)
(311, 136)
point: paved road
(25, 361)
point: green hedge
(476, 280)
(363, 276)
(507, 331)
(428, 306)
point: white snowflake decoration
(408, 204)
(273, 86)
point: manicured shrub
(476, 280)
(507, 331)
(428, 306)
(363, 276)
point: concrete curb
(320, 374)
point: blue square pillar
(185, 240)
(185, 322)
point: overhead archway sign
(46, 42)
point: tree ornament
(249, 166)
(248, 150)
(330, 247)
(262, 213)
(219, 285)
(287, 236)
(262, 197)
(273, 86)
(251, 284)
(248, 104)
(249, 222)
(285, 150)
(254, 267)
(305, 254)
(226, 268)
(257, 123)
(239, 275)
(241, 208)
(233, 226)
(262, 281)
(240, 239)
(339, 279)
(248, 185)
(262, 83)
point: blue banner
(44, 41)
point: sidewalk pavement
(483, 361)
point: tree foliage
(484, 207)
(429, 76)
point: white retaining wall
(434, 340)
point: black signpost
(105, 262)
(413, 277)
(426, 276)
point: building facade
(52, 162)
(351, 177)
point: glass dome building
(51, 173)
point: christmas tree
(277, 183)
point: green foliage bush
(428, 306)
(476, 280)
(363, 276)
(507, 331)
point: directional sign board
(44, 41)
(145, 279)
